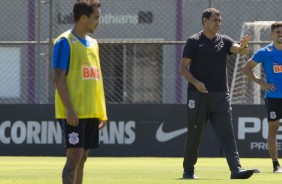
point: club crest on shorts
(272, 115)
(191, 104)
(73, 138)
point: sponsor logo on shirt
(277, 68)
(90, 72)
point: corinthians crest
(191, 104)
(73, 138)
(272, 115)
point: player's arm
(248, 71)
(184, 71)
(102, 124)
(61, 86)
(242, 47)
(61, 59)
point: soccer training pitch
(131, 170)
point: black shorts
(273, 108)
(85, 135)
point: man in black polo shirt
(203, 65)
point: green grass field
(104, 170)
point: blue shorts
(273, 108)
(85, 135)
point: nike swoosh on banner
(162, 136)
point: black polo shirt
(208, 60)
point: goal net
(243, 90)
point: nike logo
(162, 136)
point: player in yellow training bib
(79, 98)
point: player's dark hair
(84, 7)
(275, 25)
(207, 13)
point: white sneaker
(277, 169)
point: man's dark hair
(84, 7)
(207, 13)
(275, 25)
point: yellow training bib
(84, 81)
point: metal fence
(140, 45)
